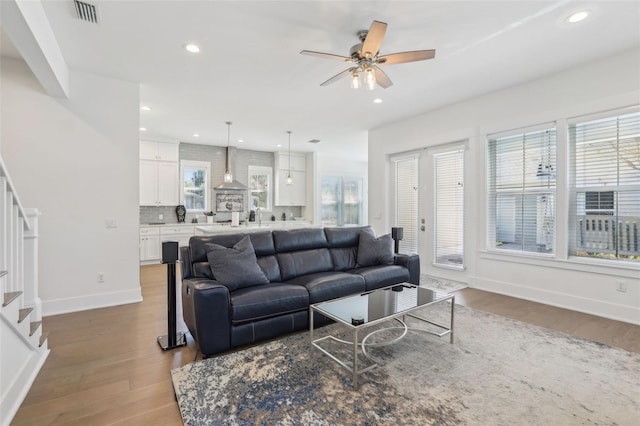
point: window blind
(605, 154)
(448, 209)
(521, 191)
(406, 201)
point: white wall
(76, 160)
(598, 86)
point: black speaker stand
(174, 339)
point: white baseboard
(600, 308)
(83, 303)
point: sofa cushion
(270, 267)
(299, 239)
(344, 258)
(305, 262)
(374, 250)
(382, 275)
(235, 267)
(343, 237)
(324, 286)
(260, 302)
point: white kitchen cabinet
(298, 161)
(181, 234)
(159, 151)
(160, 177)
(150, 249)
(294, 194)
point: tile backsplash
(150, 214)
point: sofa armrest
(412, 263)
(206, 311)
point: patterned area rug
(497, 372)
(439, 284)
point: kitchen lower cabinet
(150, 249)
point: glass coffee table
(361, 311)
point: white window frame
(491, 220)
(261, 170)
(573, 190)
(206, 166)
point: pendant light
(289, 179)
(228, 177)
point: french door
(428, 198)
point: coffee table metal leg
(355, 359)
(453, 304)
(311, 325)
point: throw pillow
(374, 251)
(235, 267)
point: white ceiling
(250, 71)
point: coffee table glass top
(379, 304)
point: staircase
(23, 346)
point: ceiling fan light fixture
(355, 80)
(370, 78)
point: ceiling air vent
(86, 11)
(314, 141)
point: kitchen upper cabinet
(159, 183)
(296, 193)
(298, 161)
(159, 176)
(159, 151)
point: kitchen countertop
(218, 228)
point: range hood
(234, 184)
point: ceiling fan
(364, 56)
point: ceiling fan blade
(339, 76)
(326, 56)
(382, 78)
(401, 58)
(371, 44)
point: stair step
(3, 273)
(10, 297)
(23, 313)
(43, 338)
(34, 327)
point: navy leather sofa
(303, 266)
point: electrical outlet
(111, 222)
(100, 277)
(160, 216)
(621, 286)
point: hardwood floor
(106, 367)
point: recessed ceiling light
(377, 101)
(279, 146)
(143, 129)
(195, 135)
(240, 140)
(192, 48)
(145, 108)
(577, 17)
